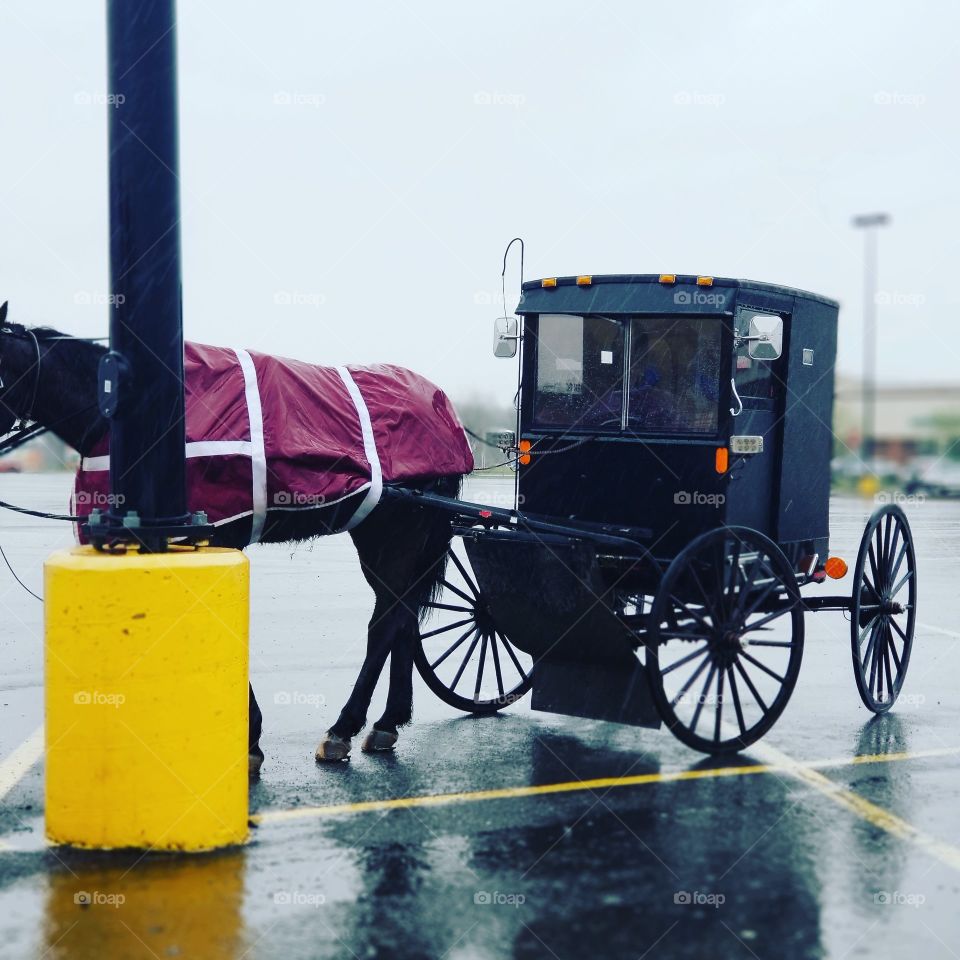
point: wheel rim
(726, 640)
(883, 613)
(462, 655)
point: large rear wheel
(884, 610)
(462, 655)
(725, 640)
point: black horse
(49, 378)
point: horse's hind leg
(336, 742)
(399, 707)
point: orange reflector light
(836, 568)
(722, 460)
(549, 282)
(704, 281)
(668, 278)
(584, 281)
(525, 446)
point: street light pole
(868, 223)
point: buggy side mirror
(505, 337)
(765, 337)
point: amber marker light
(584, 281)
(668, 278)
(835, 568)
(704, 281)
(524, 448)
(722, 460)
(549, 282)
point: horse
(50, 378)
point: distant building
(912, 420)
(44, 453)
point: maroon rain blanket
(267, 434)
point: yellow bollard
(146, 698)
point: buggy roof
(645, 293)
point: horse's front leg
(335, 744)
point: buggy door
(760, 387)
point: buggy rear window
(580, 363)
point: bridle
(20, 423)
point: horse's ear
(3, 310)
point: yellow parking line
(806, 771)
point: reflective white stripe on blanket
(194, 448)
(369, 449)
(258, 455)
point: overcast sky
(352, 172)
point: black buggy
(672, 498)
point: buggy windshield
(671, 365)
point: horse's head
(49, 378)
(18, 375)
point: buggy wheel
(462, 655)
(725, 640)
(884, 609)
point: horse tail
(436, 546)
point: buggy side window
(755, 379)
(675, 374)
(579, 371)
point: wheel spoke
(689, 683)
(867, 626)
(873, 568)
(446, 629)
(771, 643)
(707, 601)
(509, 648)
(458, 591)
(768, 618)
(762, 666)
(736, 700)
(773, 585)
(892, 646)
(683, 660)
(899, 586)
(748, 589)
(719, 712)
(466, 576)
(448, 606)
(749, 683)
(886, 664)
(483, 660)
(892, 549)
(874, 645)
(692, 613)
(683, 635)
(896, 626)
(496, 662)
(466, 659)
(436, 663)
(885, 555)
(702, 698)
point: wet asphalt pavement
(828, 858)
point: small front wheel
(725, 640)
(884, 609)
(461, 653)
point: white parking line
(14, 767)
(946, 633)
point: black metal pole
(141, 384)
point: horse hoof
(333, 747)
(378, 741)
(254, 763)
